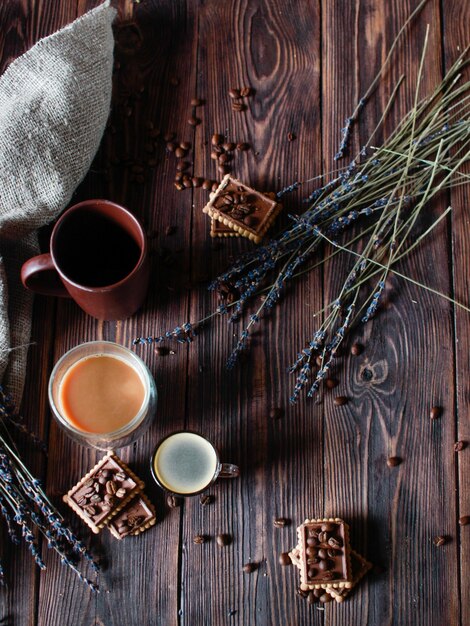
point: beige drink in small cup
(102, 395)
(186, 463)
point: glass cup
(185, 463)
(126, 433)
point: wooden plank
(394, 513)
(456, 17)
(274, 49)
(132, 590)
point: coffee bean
(250, 221)
(90, 510)
(152, 162)
(180, 153)
(197, 102)
(311, 551)
(95, 498)
(185, 145)
(238, 106)
(215, 186)
(340, 400)
(109, 499)
(214, 156)
(322, 553)
(194, 121)
(323, 537)
(326, 564)
(88, 491)
(249, 568)
(162, 351)
(224, 158)
(88, 483)
(81, 501)
(311, 599)
(207, 184)
(276, 413)
(356, 349)
(120, 476)
(331, 383)
(312, 541)
(243, 146)
(223, 539)
(206, 499)
(97, 487)
(335, 542)
(393, 461)
(169, 136)
(440, 540)
(328, 527)
(291, 136)
(155, 132)
(106, 473)
(174, 82)
(234, 93)
(173, 502)
(325, 597)
(199, 539)
(170, 230)
(245, 92)
(121, 492)
(284, 559)
(187, 182)
(464, 520)
(281, 522)
(312, 572)
(223, 169)
(111, 487)
(196, 181)
(435, 412)
(171, 146)
(149, 147)
(217, 139)
(313, 560)
(332, 553)
(229, 146)
(102, 480)
(459, 446)
(303, 594)
(318, 592)
(135, 520)
(182, 165)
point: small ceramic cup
(98, 256)
(185, 463)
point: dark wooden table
(309, 61)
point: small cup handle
(40, 275)
(228, 470)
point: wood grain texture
(308, 64)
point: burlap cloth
(54, 103)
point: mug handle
(40, 275)
(228, 470)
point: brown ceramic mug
(98, 257)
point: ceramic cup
(186, 464)
(98, 256)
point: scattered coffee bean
(291, 136)
(440, 540)
(325, 597)
(170, 230)
(459, 446)
(187, 182)
(171, 146)
(214, 156)
(223, 539)
(185, 145)
(356, 349)
(207, 184)
(311, 598)
(149, 147)
(238, 106)
(281, 522)
(182, 165)
(194, 121)
(169, 136)
(245, 92)
(180, 153)
(331, 383)
(232, 612)
(162, 351)
(152, 162)
(284, 559)
(197, 102)
(243, 146)
(206, 499)
(464, 520)
(223, 158)
(196, 181)
(234, 93)
(173, 501)
(179, 186)
(302, 593)
(249, 568)
(174, 82)
(217, 139)
(199, 539)
(223, 169)
(393, 461)
(276, 413)
(435, 412)
(340, 400)
(229, 146)
(215, 186)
